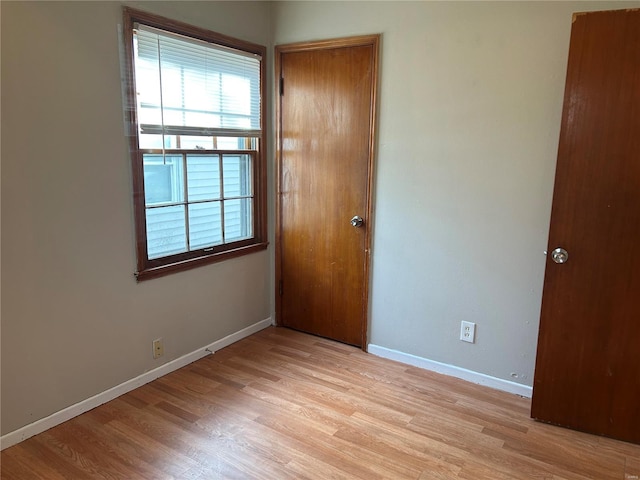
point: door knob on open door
(357, 221)
(560, 255)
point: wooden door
(587, 373)
(326, 113)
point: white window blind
(188, 87)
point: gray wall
(470, 105)
(74, 321)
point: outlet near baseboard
(468, 332)
(158, 348)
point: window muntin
(196, 201)
(198, 155)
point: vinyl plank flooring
(284, 405)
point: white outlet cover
(468, 332)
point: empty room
(320, 240)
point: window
(196, 116)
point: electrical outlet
(158, 348)
(468, 332)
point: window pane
(157, 141)
(236, 175)
(203, 174)
(163, 179)
(172, 96)
(201, 90)
(231, 143)
(150, 141)
(205, 225)
(238, 215)
(236, 98)
(196, 142)
(166, 231)
(188, 142)
(147, 65)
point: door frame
(357, 41)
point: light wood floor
(284, 405)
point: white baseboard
(452, 371)
(68, 413)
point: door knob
(560, 255)
(357, 221)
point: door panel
(325, 115)
(588, 363)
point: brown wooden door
(588, 363)
(325, 137)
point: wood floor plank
(18, 463)
(632, 468)
(45, 449)
(284, 405)
(148, 462)
(320, 446)
(73, 441)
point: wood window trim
(148, 269)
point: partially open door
(587, 373)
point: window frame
(146, 268)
